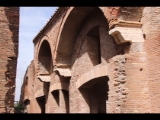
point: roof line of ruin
(58, 12)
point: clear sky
(32, 20)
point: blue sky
(32, 20)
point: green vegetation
(19, 108)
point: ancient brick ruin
(9, 30)
(96, 60)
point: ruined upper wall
(131, 13)
(9, 30)
(125, 14)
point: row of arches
(94, 92)
(83, 44)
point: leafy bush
(18, 108)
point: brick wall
(83, 62)
(51, 37)
(31, 78)
(28, 88)
(131, 69)
(9, 30)
(151, 30)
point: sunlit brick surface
(9, 31)
(110, 55)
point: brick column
(137, 98)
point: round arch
(69, 30)
(94, 89)
(44, 65)
(44, 38)
(97, 72)
(44, 58)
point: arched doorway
(95, 93)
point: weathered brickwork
(28, 87)
(9, 30)
(95, 60)
(117, 91)
(151, 30)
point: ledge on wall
(63, 69)
(125, 34)
(122, 23)
(45, 78)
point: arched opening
(45, 59)
(95, 93)
(65, 94)
(80, 46)
(41, 103)
(46, 86)
(27, 105)
(55, 94)
(44, 70)
(42, 96)
(71, 28)
(61, 98)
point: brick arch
(46, 37)
(97, 72)
(44, 43)
(60, 82)
(39, 85)
(69, 30)
(93, 88)
(59, 86)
